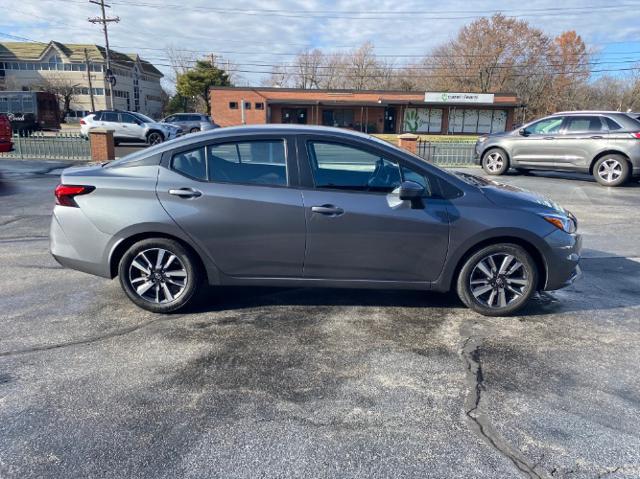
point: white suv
(129, 126)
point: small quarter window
(233, 105)
(612, 125)
(191, 163)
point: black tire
(495, 161)
(612, 170)
(194, 130)
(488, 302)
(155, 138)
(133, 279)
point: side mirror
(412, 191)
(523, 132)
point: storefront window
(473, 121)
(423, 120)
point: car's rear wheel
(611, 170)
(159, 275)
(155, 137)
(498, 280)
(495, 162)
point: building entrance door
(389, 120)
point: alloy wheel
(158, 276)
(610, 170)
(494, 162)
(498, 280)
(155, 138)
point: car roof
(248, 130)
(590, 112)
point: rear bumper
(6, 146)
(562, 259)
(76, 243)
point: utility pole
(105, 21)
(86, 60)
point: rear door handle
(329, 210)
(597, 137)
(185, 193)
(549, 137)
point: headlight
(568, 224)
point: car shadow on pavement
(566, 175)
(608, 282)
(236, 297)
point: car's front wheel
(611, 170)
(159, 275)
(194, 130)
(498, 279)
(495, 162)
(154, 138)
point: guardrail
(49, 146)
(447, 153)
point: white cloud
(246, 39)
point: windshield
(144, 118)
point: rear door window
(191, 163)
(259, 162)
(584, 124)
(110, 116)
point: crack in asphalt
(480, 423)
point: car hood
(512, 196)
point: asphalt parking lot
(318, 383)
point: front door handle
(549, 137)
(329, 210)
(185, 193)
(597, 137)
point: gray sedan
(306, 206)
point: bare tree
(308, 69)
(279, 77)
(65, 89)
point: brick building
(369, 111)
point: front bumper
(562, 259)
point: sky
(255, 34)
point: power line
(384, 15)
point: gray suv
(306, 206)
(191, 122)
(604, 144)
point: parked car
(30, 111)
(129, 126)
(294, 205)
(604, 144)
(191, 122)
(6, 141)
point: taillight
(636, 135)
(65, 194)
(82, 122)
